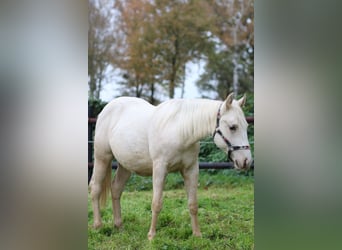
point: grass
(226, 215)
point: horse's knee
(95, 191)
(193, 208)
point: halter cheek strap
(231, 148)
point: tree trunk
(183, 82)
(172, 78)
(235, 74)
(137, 92)
(92, 87)
(172, 89)
(152, 101)
(174, 70)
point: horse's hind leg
(118, 184)
(99, 184)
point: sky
(193, 72)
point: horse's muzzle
(244, 165)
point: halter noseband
(231, 148)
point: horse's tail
(106, 186)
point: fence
(202, 165)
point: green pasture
(226, 215)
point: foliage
(217, 79)
(95, 106)
(150, 42)
(248, 108)
(101, 45)
(162, 36)
(249, 111)
(209, 152)
(230, 64)
(226, 217)
(233, 21)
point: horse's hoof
(97, 225)
(151, 235)
(197, 234)
(118, 225)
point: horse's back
(117, 109)
(122, 130)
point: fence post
(90, 138)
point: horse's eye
(233, 128)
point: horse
(156, 140)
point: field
(226, 215)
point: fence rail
(202, 165)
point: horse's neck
(203, 120)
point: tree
(231, 62)
(100, 46)
(150, 42)
(161, 37)
(182, 36)
(137, 59)
(235, 29)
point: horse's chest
(182, 159)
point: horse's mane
(190, 117)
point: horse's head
(231, 132)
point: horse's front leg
(190, 176)
(121, 177)
(159, 173)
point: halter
(231, 148)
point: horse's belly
(133, 158)
(139, 166)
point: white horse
(155, 140)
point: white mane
(192, 118)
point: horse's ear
(229, 100)
(242, 100)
